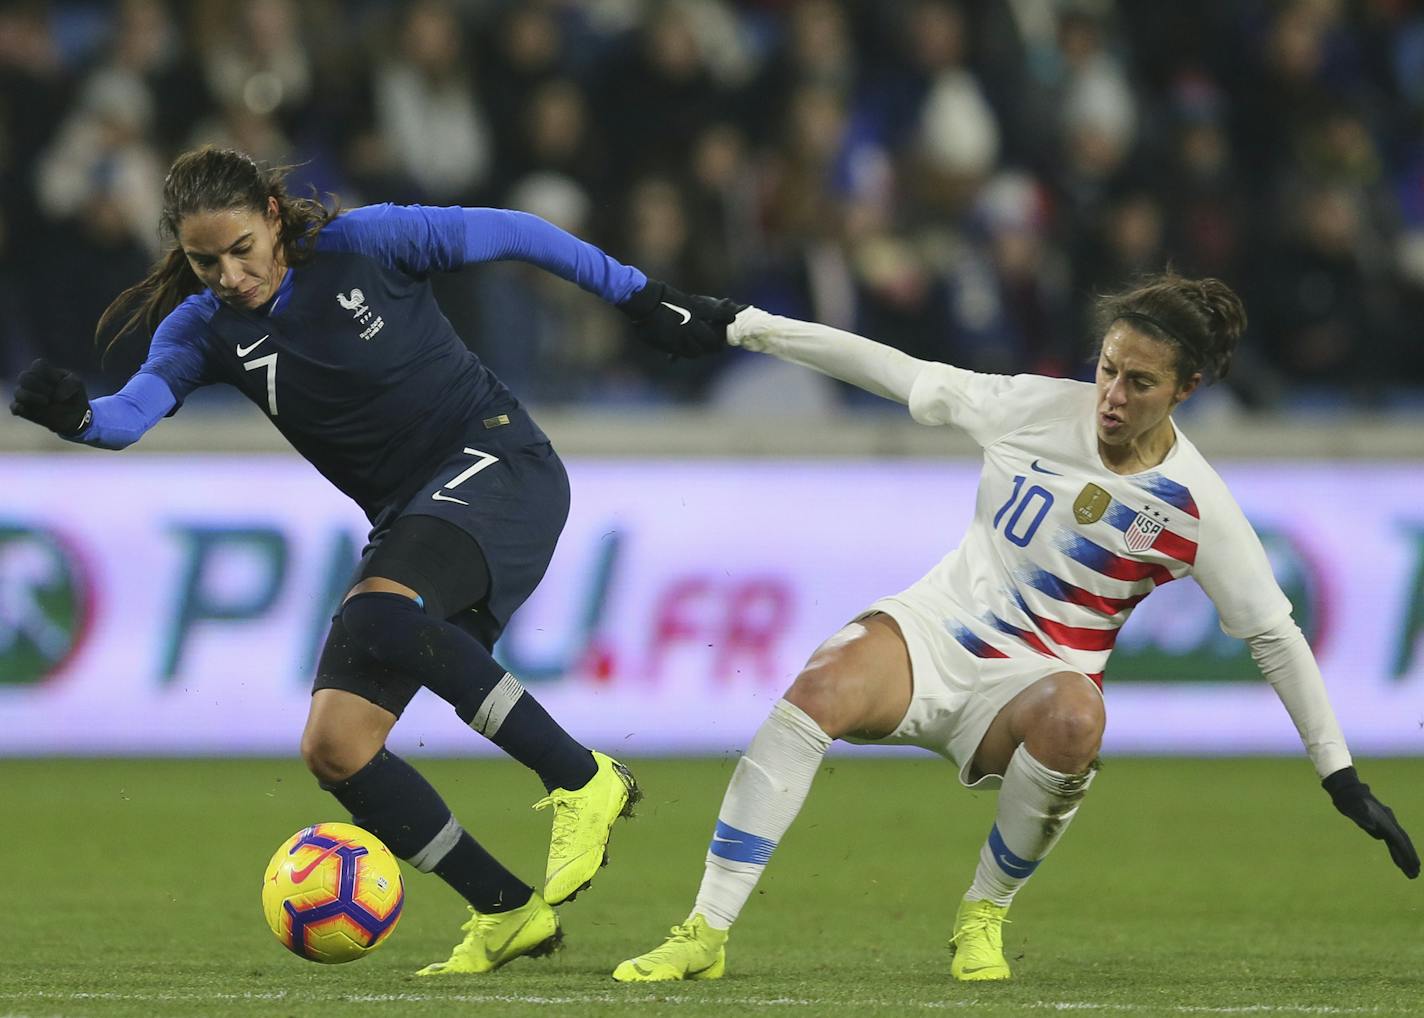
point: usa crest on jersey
(1142, 532)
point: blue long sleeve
(494, 234)
(120, 420)
(420, 239)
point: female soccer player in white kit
(1089, 498)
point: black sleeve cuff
(1342, 779)
(644, 302)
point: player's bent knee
(1067, 732)
(822, 694)
(331, 758)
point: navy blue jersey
(352, 359)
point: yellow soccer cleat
(497, 938)
(978, 942)
(583, 819)
(694, 951)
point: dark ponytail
(1202, 318)
(209, 180)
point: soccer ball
(332, 893)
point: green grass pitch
(1184, 887)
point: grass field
(1184, 887)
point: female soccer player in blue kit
(326, 321)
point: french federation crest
(1142, 532)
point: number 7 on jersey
(270, 363)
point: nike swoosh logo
(686, 314)
(493, 953)
(299, 875)
(976, 968)
(1012, 868)
(1044, 470)
(243, 351)
(446, 498)
(727, 841)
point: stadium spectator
(865, 139)
(430, 138)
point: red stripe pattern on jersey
(1122, 516)
(1100, 560)
(1061, 590)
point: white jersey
(1062, 549)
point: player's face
(235, 253)
(1137, 385)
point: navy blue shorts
(502, 498)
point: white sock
(765, 794)
(1036, 805)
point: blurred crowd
(958, 179)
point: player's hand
(1353, 798)
(679, 324)
(53, 397)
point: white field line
(678, 999)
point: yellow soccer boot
(497, 938)
(583, 820)
(978, 942)
(694, 951)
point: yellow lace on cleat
(694, 951)
(978, 942)
(583, 820)
(497, 938)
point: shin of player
(1044, 743)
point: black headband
(1157, 326)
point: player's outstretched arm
(1285, 658)
(55, 398)
(862, 362)
(1353, 797)
(420, 239)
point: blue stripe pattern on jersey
(969, 641)
(730, 843)
(1013, 865)
(1119, 516)
(1085, 552)
(1046, 583)
(1168, 491)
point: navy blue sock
(389, 798)
(456, 667)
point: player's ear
(274, 211)
(1187, 388)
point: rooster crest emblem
(355, 302)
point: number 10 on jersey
(1028, 512)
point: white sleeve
(1232, 567)
(872, 366)
(1285, 659)
(988, 407)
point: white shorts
(955, 696)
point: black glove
(53, 397)
(1352, 797)
(679, 324)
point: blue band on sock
(739, 846)
(1019, 869)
